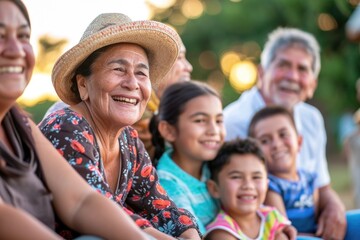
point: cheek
(30, 56)
(146, 90)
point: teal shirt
(186, 191)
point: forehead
(272, 124)
(124, 49)
(244, 162)
(11, 14)
(206, 103)
(296, 50)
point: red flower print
(160, 189)
(142, 222)
(79, 160)
(155, 219)
(56, 126)
(77, 146)
(88, 137)
(51, 120)
(167, 214)
(136, 198)
(74, 121)
(129, 185)
(118, 198)
(161, 204)
(152, 178)
(145, 172)
(134, 150)
(108, 195)
(128, 211)
(134, 133)
(61, 152)
(185, 220)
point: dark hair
(22, 9)
(236, 146)
(172, 104)
(266, 112)
(84, 69)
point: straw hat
(161, 43)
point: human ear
(300, 141)
(81, 85)
(213, 188)
(167, 131)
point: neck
(107, 137)
(190, 166)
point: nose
(13, 48)
(213, 128)
(188, 66)
(275, 143)
(247, 183)
(130, 82)
(292, 74)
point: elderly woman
(106, 80)
(31, 194)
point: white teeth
(289, 86)
(127, 100)
(11, 69)
(247, 197)
(210, 143)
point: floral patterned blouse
(138, 189)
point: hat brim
(160, 41)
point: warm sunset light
(243, 75)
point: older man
(290, 64)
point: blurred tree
(243, 26)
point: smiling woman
(106, 79)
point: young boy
(291, 191)
(239, 181)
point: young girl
(190, 119)
(239, 180)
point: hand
(332, 222)
(290, 232)
(281, 236)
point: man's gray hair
(286, 37)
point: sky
(69, 19)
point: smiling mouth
(11, 69)
(125, 100)
(289, 87)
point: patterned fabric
(298, 199)
(271, 221)
(138, 189)
(186, 191)
(309, 123)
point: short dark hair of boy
(236, 146)
(266, 112)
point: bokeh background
(224, 39)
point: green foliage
(38, 110)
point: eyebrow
(2, 25)
(204, 114)
(125, 62)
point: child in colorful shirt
(239, 180)
(291, 191)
